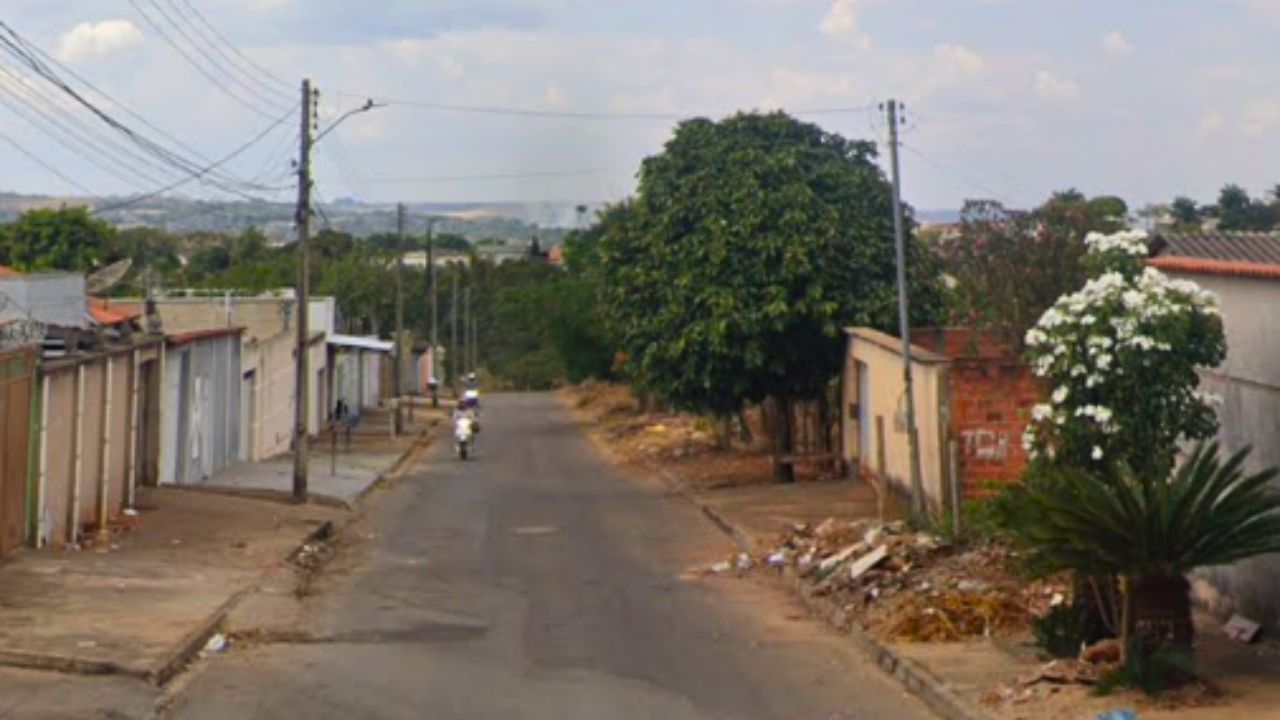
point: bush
(1066, 629)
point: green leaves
(1206, 513)
(752, 242)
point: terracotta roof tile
(1199, 266)
(104, 312)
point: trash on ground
(216, 644)
(1241, 629)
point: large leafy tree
(751, 243)
(66, 239)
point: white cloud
(97, 40)
(1053, 89)
(841, 21)
(958, 60)
(1116, 44)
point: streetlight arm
(368, 105)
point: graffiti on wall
(985, 445)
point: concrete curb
(914, 677)
(185, 650)
(424, 440)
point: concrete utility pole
(904, 323)
(435, 311)
(302, 359)
(398, 381)
(466, 329)
(453, 319)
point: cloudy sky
(1005, 98)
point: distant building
(441, 258)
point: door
(249, 417)
(865, 446)
(15, 425)
(148, 450)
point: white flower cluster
(1089, 337)
(1128, 242)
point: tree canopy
(751, 244)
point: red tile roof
(104, 312)
(1199, 266)
(187, 338)
(1222, 245)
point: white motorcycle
(464, 435)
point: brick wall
(991, 392)
(990, 405)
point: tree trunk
(783, 440)
(744, 430)
(1162, 612)
(723, 431)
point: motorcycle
(464, 437)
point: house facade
(1243, 269)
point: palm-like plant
(1148, 532)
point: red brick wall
(992, 392)
(960, 342)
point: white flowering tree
(1121, 356)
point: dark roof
(1261, 248)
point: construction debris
(913, 586)
(1241, 629)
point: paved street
(538, 582)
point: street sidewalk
(144, 600)
(956, 678)
(340, 472)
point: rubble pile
(913, 586)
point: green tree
(1185, 212)
(751, 243)
(67, 239)
(1237, 211)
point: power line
(226, 159)
(575, 114)
(218, 43)
(186, 55)
(284, 84)
(24, 51)
(993, 194)
(492, 176)
(40, 161)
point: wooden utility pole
(466, 329)
(302, 218)
(904, 321)
(453, 319)
(435, 313)
(398, 375)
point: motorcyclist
(464, 411)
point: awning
(355, 342)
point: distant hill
(516, 222)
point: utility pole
(466, 329)
(398, 381)
(904, 322)
(453, 319)
(302, 355)
(435, 312)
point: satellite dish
(108, 277)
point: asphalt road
(538, 582)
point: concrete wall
(879, 356)
(1249, 382)
(269, 416)
(51, 298)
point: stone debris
(913, 586)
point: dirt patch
(683, 445)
